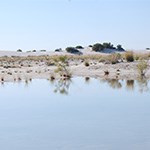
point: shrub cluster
(79, 47)
(19, 50)
(72, 50)
(97, 47)
(100, 47)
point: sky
(52, 24)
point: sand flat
(34, 69)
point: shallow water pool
(81, 114)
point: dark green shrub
(90, 46)
(58, 50)
(119, 47)
(108, 45)
(19, 50)
(97, 47)
(72, 50)
(79, 47)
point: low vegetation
(79, 47)
(62, 67)
(114, 58)
(73, 50)
(43, 50)
(142, 67)
(86, 63)
(98, 47)
(58, 50)
(129, 56)
(19, 50)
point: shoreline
(22, 67)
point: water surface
(80, 114)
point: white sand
(40, 70)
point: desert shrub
(97, 47)
(144, 57)
(108, 45)
(72, 50)
(52, 78)
(62, 67)
(19, 50)
(58, 50)
(114, 58)
(50, 63)
(63, 59)
(86, 63)
(142, 66)
(141, 56)
(129, 56)
(79, 47)
(106, 72)
(136, 57)
(119, 47)
(43, 50)
(90, 46)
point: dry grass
(142, 67)
(129, 56)
(16, 61)
(142, 56)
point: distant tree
(119, 47)
(90, 46)
(73, 50)
(42, 50)
(34, 50)
(58, 50)
(97, 47)
(79, 47)
(108, 45)
(19, 50)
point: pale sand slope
(40, 70)
(85, 51)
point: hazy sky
(51, 24)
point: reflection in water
(62, 85)
(27, 81)
(87, 80)
(113, 83)
(143, 84)
(130, 84)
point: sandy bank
(17, 69)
